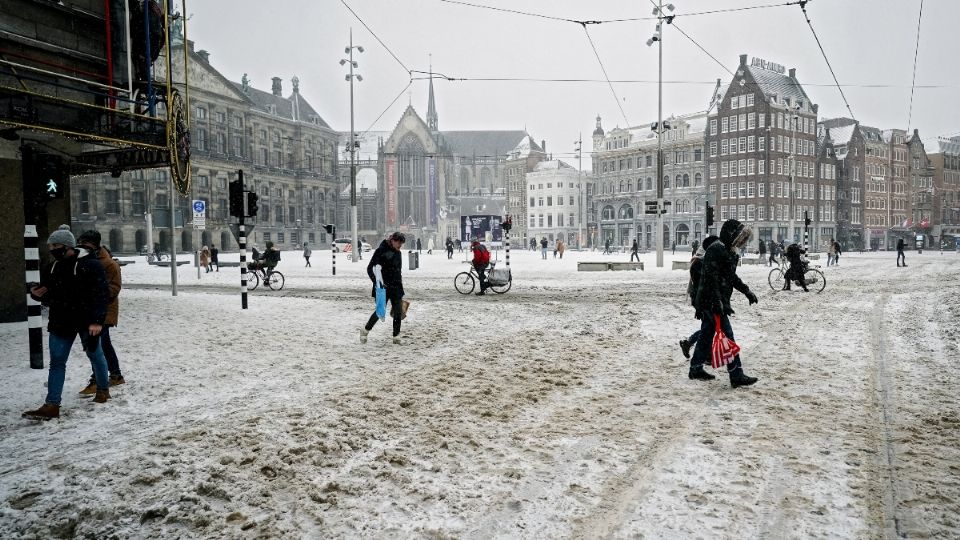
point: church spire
(432, 106)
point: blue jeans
(701, 355)
(60, 346)
(113, 362)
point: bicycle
(274, 280)
(814, 278)
(465, 282)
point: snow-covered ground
(561, 409)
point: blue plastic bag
(381, 303)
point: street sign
(650, 207)
(248, 228)
(199, 214)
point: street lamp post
(658, 38)
(353, 149)
(580, 212)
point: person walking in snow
(900, 254)
(634, 251)
(419, 246)
(430, 246)
(205, 259)
(673, 248)
(307, 253)
(836, 253)
(693, 285)
(773, 254)
(214, 257)
(384, 270)
(90, 240)
(718, 279)
(75, 289)
(797, 268)
(606, 247)
(449, 245)
(561, 247)
(762, 250)
(543, 247)
(831, 251)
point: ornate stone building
(287, 151)
(625, 172)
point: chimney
(203, 53)
(543, 144)
(277, 89)
(743, 60)
(793, 73)
(190, 45)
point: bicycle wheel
(252, 280)
(464, 283)
(815, 279)
(275, 281)
(500, 289)
(775, 279)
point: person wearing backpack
(481, 258)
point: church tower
(432, 122)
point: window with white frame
(751, 212)
(733, 123)
(743, 145)
(724, 150)
(724, 169)
(742, 122)
(724, 191)
(724, 124)
(713, 130)
(761, 169)
(751, 166)
(742, 169)
(751, 143)
(743, 190)
(713, 148)
(760, 187)
(713, 170)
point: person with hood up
(718, 279)
(74, 287)
(693, 285)
(384, 270)
(797, 268)
(205, 258)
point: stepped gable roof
(771, 82)
(482, 143)
(524, 148)
(552, 165)
(841, 130)
(284, 106)
(871, 134)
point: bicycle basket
(499, 276)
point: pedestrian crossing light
(806, 218)
(709, 216)
(252, 207)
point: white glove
(377, 273)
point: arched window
(626, 212)
(679, 183)
(698, 179)
(697, 232)
(686, 180)
(607, 213)
(649, 185)
(666, 181)
(629, 186)
(621, 186)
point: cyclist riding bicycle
(481, 258)
(268, 261)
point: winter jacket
(307, 251)
(77, 293)
(900, 244)
(204, 257)
(797, 267)
(831, 249)
(561, 247)
(718, 274)
(763, 248)
(114, 283)
(696, 265)
(635, 247)
(543, 243)
(391, 263)
(836, 248)
(481, 256)
(215, 256)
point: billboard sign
(391, 195)
(479, 227)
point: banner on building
(391, 194)
(432, 189)
(479, 226)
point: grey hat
(63, 236)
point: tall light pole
(658, 38)
(353, 150)
(580, 213)
(795, 118)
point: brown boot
(102, 396)
(89, 390)
(47, 411)
(116, 379)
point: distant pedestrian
(74, 287)
(430, 246)
(384, 270)
(695, 245)
(449, 245)
(718, 279)
(90, 240)
(836, 253)
(673, 247)
(419, 246)
(561, 247)
(606, 246)
(900, 255)
(533, 244)
(773, 254)
(635, 251)
(831, 251)
(307, 253)
(556, 244)
(762, 250)
(205, 259)
(214, 256)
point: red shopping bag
(723, 349)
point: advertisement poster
(480, 227)
(391, 185)
(432, 189)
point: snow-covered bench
(626, 266)
(681, 265)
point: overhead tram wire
(803, 7)
(701, 47)
(605, 76)
(374, 34)
(914, 83)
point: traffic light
(709, 216)
(806, 218)
(236, 199)
(330, 228)
(52, 178)
(252, 207)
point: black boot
(738, 378)
(685, 348)
(698, 373)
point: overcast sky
(868, 42)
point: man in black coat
(75, 289)
(718, 279)
(900, 255)
(384, 271)
(797, 268)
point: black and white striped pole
(806, 230)
(31, 252)
(507, 225)
(242, 229)
(332, 231)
